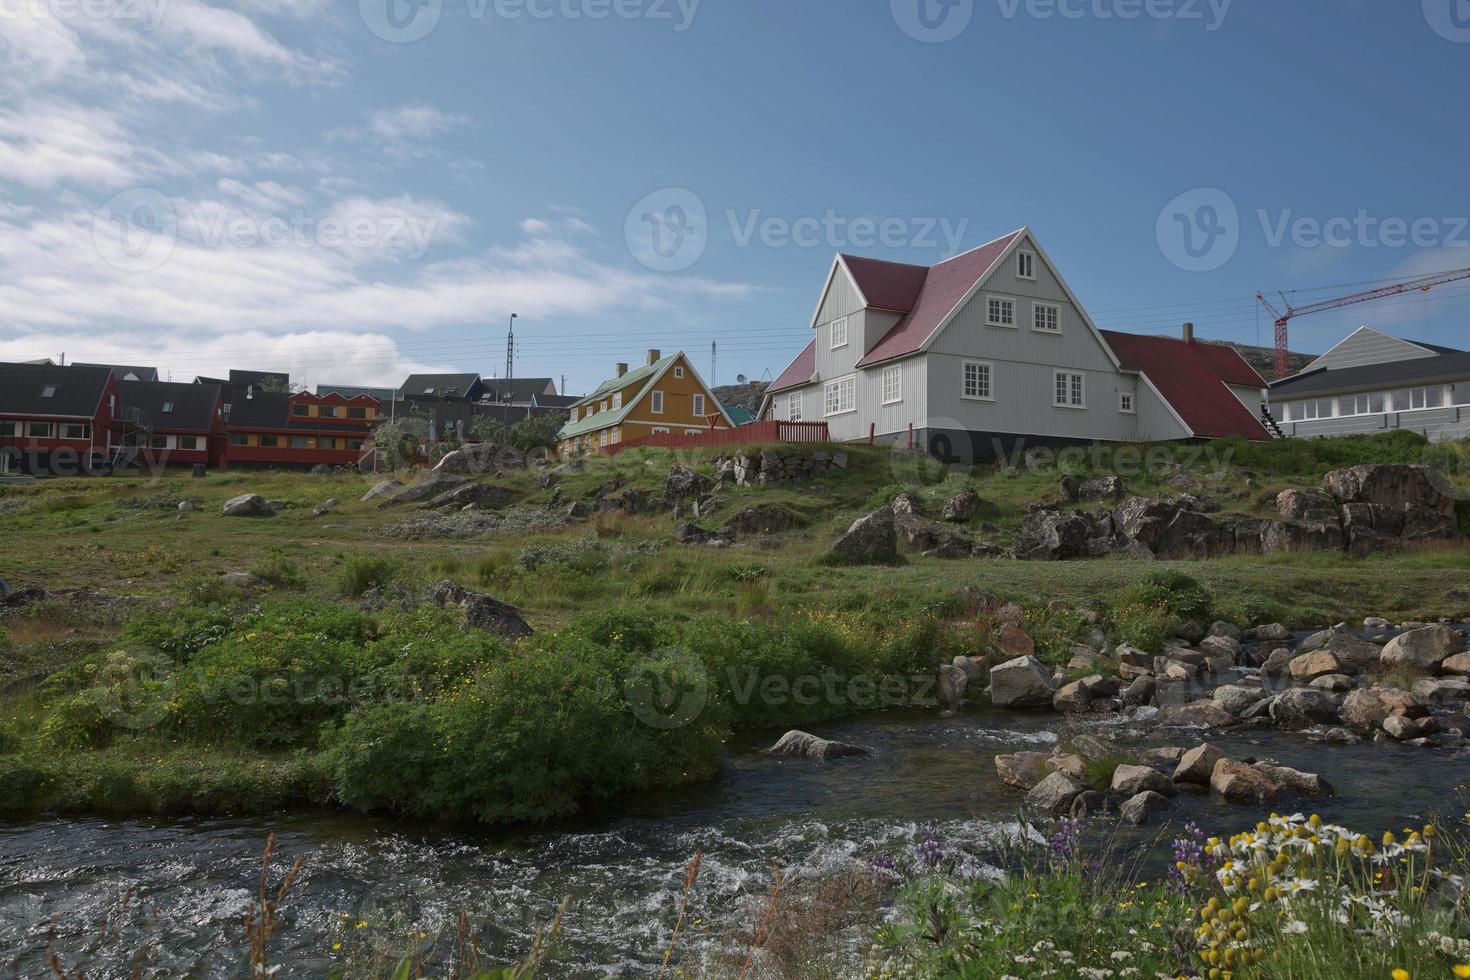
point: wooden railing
(775, 430)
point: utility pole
(510, 349)
(713, 349)
(563, 389)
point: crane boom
(1421, 284)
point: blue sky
(310, 186)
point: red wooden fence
(774, 430)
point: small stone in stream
(1364, 710)
(1338, 736)
(1054, 794)
(1239, 783)
(1440, 690)
(1132, 780)
(1143, 807)
(1333, 682)
(1197, 765)
(807, 746)
(1296, 781)
(1405, 729)
(1278, 663)
(1319, 663)
(1071, 699)
(1140, 691)
(1084, 658)
(1273, 633)
(1165, 757)
(1237, 699)
(1093, 748)
(1021, 683)
(953, 682)
(1022, 770)
(1301, 706)
(1088, 804)
(1376, 623)
(1190, 631)
(1197, 714)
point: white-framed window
(1125, 403)
(9, 427)
(1071, 390)
(1369, 403)
(618, 400)
(48, 391)
(616, 436)
(691, 432)
(892, 384)
(190, 443)
(658, 403)
(977, 381)
(76, 430)
(1000, 311)
(660, 430)
(678, 370)
(839, 333)
(1046, 317)
(1418, 398)
(793, 407)
(38, 430)
(1315, 408)
(602, 437)
(1026, 265)
(840, 397)
(698, 405)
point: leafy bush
(281, 573)
(1055, 632)
(362, 572)
(181, 632)
(585, 555)
(1175, 592)
(1145, 627)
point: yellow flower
(1462, 970)
(1400, 975)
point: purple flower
(1190, 852)
(1063, 843)
(882, 866)
(927, 850)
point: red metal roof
(943, 287)
(798, 372)
(1192, 378)
(887, 285)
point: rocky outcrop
(482, 495)
(684, 483)
(1384, 500)
(436, 483)
(962, 507)
(1021, 683)
(807, 746)
(1107, 489)
(383, 488)
(871, 540)
(483, 457)
(247, 505)
(481, 611)
(778, 465)
(762, 519)
(1049, 535)
(1422, 649)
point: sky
(354, 190)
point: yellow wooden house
(663, 396)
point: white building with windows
(989, 350)
(1373, 382)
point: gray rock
(1197, 714)
(962, 507)
(482, 495)
(321, 469)
(187, 506)
(807, 746)
(1055, 794)
(1394, 500)
(484, 457)
(1142, 807)
(431, 486)
(1088, 803)
(1140, 691)
(1197, 765)
(1421, 649)
(1273, 633)
(247, 505)
(382, 488)
(762, 519)
(871, 539)
(1278, 663)
(1022, 770)
(1236, 699)
(481, 611)
(1364, 710)
(1457, 666)
(1334, 682)
(1441, 690)
(952, 683)
(1240, 783)
(1131, 780)
(1302, 706)
(1405, 729)
(1021, 683)
(684, 482)
(1294, 780)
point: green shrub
(181, 632)
(585, 555)
(1176, 592)
(281, 573)
(9, 742)
(23, 782)
(362, 572)
(1055, 632)
(1145, 627)
(78, 722)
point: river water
(188, 883)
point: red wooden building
(299, 430)
(60, 420)
(173, 423)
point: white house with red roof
(990, 351)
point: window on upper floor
(839, 333)
(657, 403)
(1026, 265)
(1071, 390)
(976, 381)
(678, 370)
(8, 427)
(617, 400)
(892, 385)
(327, 411)
(300, 410)
(48, 391)
(38, 430)
(793, 407)
(840, 396)
(76, 430)
(268, 441)
(357, 413)
(168, 408)
(1125, 403)
(1046, 317)
(698, 405)
(1000, 311)
(239, 439)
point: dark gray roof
(124, 372)
(192, 405)
(265, 409)
(1390, 374)
(419, 385)
(352, 391)
(277, 378)
(515, 390)
(75, 391)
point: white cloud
(410, 122)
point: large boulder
(762, 519)
(1106, 488)
(1197, 765)
(485, 495)
(1294, 780)
(383, 488)
(1303, 706)
(1049, 535)
(1167, 530)
(1197, 714)
(1131, 780)
(807, 746)
(1441, 690)
(1021, 683)
(871, 539)
(481, 611)
(1307, 507)
(1422, 649)
(247, 505)
(1364, 710)
(1319, 663)
(962, 507)
(436, 483)
(1054, 794)
(684, 482)
(1237, 699)
(1142, 807)
(1240, 783)
(1457, 666)
(1395, 500)
(484, 457)
(1022, 770)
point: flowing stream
(189, 883)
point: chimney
(654, 354)
(1189, 333)
(622, 368)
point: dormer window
(49, 391)
(679, 371)
(1026, 265)
(839, 333)
(168, 408)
